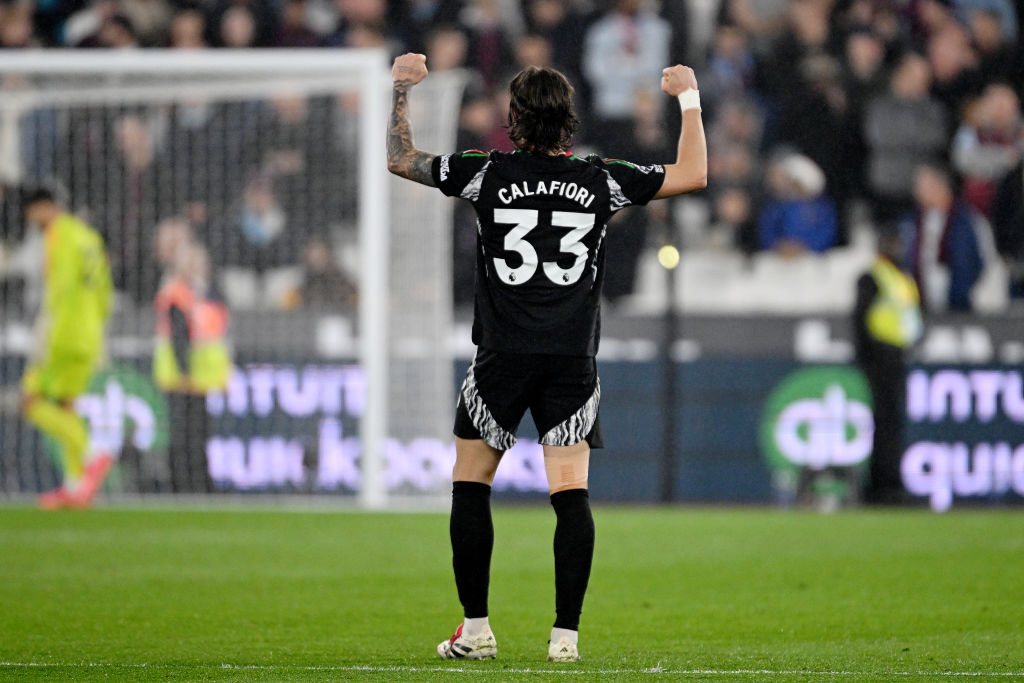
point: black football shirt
(541, 223)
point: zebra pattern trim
(579, 424)
(490, 431)
(472, 189)
(619, 200)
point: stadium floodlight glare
(396, 243)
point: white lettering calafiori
(570, 191)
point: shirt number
(524, 221)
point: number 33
(525, 220)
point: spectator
(933, 16)
(995, 51)
(762, 20)
(739, 122)
(799, 217)
(491, 42)
(262, 222)
(127, 198)
(118, 33)
(806, 37)
(533, 50)
(863, 80)
(114, 30)
(324, 285)
(16, 26)
(292, 31)
(733, 165)
(1008, 225)
(985, 146)
(733, 140)
(954, 66)
(890, 27)
(259, 20)
(1001, 10)
(358, 16)
(447, 48)
(730, 67)
(208, 135)
(943, 251)
(863, 67)
(815, 122)
(624, 52)
(292, 151)
(237, 27)
(417, 19)
(82, 27)
(561, 24)
(188, 29)
(733, 211)
(903, 129)
(149, 18)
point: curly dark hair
(540, 115)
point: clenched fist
(409, 69)
(678, 78)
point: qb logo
(818, 418)
(526, 220)
(122, 406)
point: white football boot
(563, 650)
(460, 646)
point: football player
(542, 216)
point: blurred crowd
(820, 114)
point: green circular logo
(818, 417)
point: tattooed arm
(404, 159)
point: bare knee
(567, 467)
(475, 461)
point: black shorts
(562, 393)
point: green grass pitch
(676, 594)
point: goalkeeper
(71, 325)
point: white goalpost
(270, 159)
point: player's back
(540, 261)
(78, 287)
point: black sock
(574, 552)
(472, 535)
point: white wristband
(689, 99)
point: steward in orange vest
(191, 354)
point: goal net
(258, 180)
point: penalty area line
(491, 671)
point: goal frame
(370, 69)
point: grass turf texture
(698, 594)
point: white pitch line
(489, 671)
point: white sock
(471, 628)
(558, 633)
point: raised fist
(676, 79)
(409, 69)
